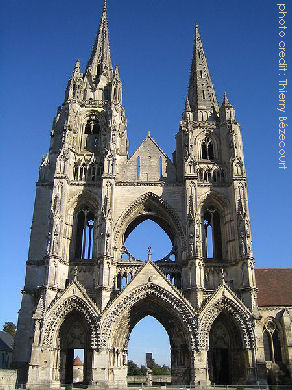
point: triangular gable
(149, 273)
(223, 291)
(75, 289)
(151, 143)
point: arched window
(272, 342)
(207, 149)
(204, 151)
(212, 234)
(92, 126)
(84, 234)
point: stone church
(227, 322)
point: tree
(133, 369)
(10, 327)
(159, 370)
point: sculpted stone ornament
(91, 195)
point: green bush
(240, 388)
(68, 387)
(274, 387)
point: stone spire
(201, 94)
(100, 60)
(227, 112)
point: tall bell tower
(81, 292)
(88, 142)
(210, 162)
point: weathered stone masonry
(81, 292)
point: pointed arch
(84, 198)
(56, 315)
(273, 340)
(121, 311)
(208, 148)
(241, 316)
(81, 218)
(154, 207)
(215, 198)
(214, 210)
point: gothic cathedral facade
(85, 290)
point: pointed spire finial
(117, 73)
(76, 67)
(148, 136)
(226, 101)
(149, 258)
(75, 273)
(227, 111)
(187, 105)
(201, 93)
(100, 59)
(222, 276)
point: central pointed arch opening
(145, 234)
(149, 349)
(169, 318)
(146, 210)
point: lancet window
(92, 126)
(272, 342)
(207, 149)
(212, 234)
(84, 234)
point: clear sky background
(151, 41)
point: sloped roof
(274, 286)
(77, 361)
(6, 341)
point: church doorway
(149, 347)
(226, 358)
(169, 318)
(74, 341)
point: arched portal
(226, 358)
(179, 343)
(173, 315)
(149, 337)
(74, 334)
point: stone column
(100, 367)
(200, 367)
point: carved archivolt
(241, 317)
(85, 198)
(215, 199)
(182, 309)
(54, 319)
(137, 209)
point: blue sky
(151, 41)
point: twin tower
(84, 290)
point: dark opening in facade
(272, 342)
(84, 234)
(207, 149)
(92, 126)
(212, 234)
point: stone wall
(155, 379)
(7, 379)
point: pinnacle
(117, 73)
(100, 60)
(226, 101)
(149, 256)
(76, 67)
(201, 93)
